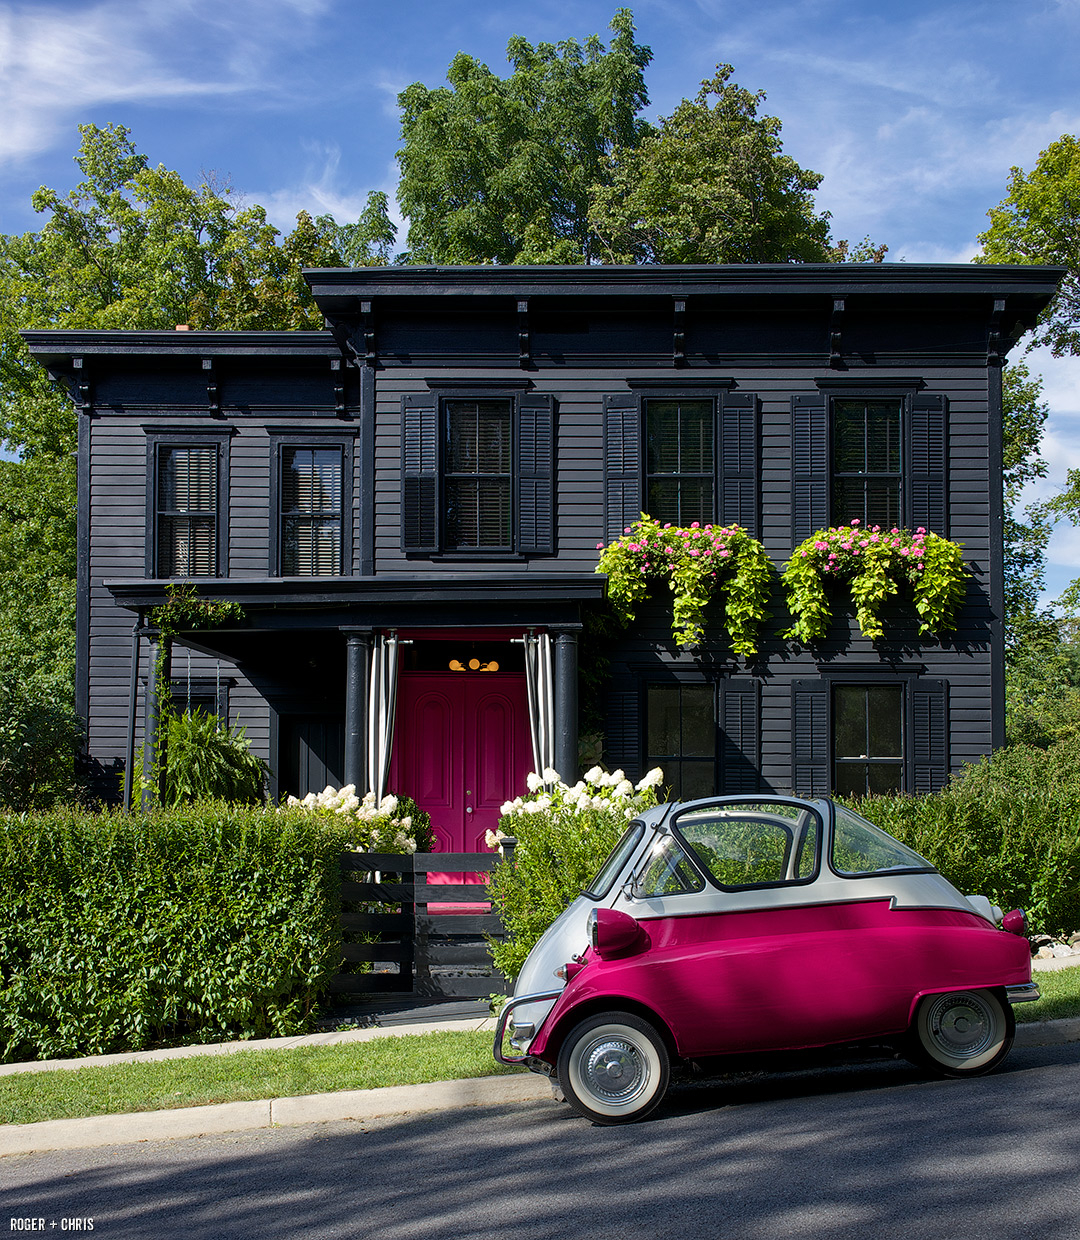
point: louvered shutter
(623, 743)
(420, 472)
(740, 471)
(536, 474)
(187, 502)
(929, 731)
(810, 466)
(622, 463)
(927, 463)
(811, 747)
(740, 736)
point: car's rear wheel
(961, 1033)
(614, 1068)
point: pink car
(766, 923)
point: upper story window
(872, 450)
(477, 478)
(681, 453)
(186, 486)
(867, 462)
(680, 460)
(310, 501)
(478, 473)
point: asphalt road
(829, 1153)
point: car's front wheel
(961, 1033)
(614, 1068)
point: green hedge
(1018, 846)
(195, 924)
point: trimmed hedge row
(195, 924)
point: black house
(408, 505)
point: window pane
(691, 780)
(478, 436)
(883, 708)
(738, 849)
(875, 501)
(478, 512)
(861, 848)
(187, 486)
(662, 436)
(663, 720)
(883, 778)
(849, 721)
(698, 721)
(667, 871)
(849, 436)
(883, 437)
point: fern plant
(206, 760)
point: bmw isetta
(736, 925)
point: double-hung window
(871, 450)
(478, 472)
(682, 452)
(868, 739)
(681, 737)
(310, 505)
(185, 493)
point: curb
(354, 1104)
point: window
(861, 848)
(876, 451)
(311, 511)
(477, 474)
(753, 845)
(868, 746)
(682, 455)
(310, 504)
(681, 737)
(186, 486)
(680, 460)
(867, 462)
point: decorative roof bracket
(337, 373)
(994, 350)
(213, 391)
(367, 326)
(678, 339)
(524, 346)
(836, 327)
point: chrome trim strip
(1027, 993)
(504, 1016)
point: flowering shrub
(695, 562)
(875, 563)
(395, 825)
(563, 835)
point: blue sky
(914, 111)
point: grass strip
(1060, 991)
(110, 1089)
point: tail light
(613, 933)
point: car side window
(667, 872)
(753, 846)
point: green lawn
(412, 1059)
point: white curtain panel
(382, 703)
(540, 683)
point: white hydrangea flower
(310, 801)
(533, 782)
(595, 775)
(551, 776)
(389, 803)
(653, 779)
(624, 788)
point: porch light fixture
(474, 665)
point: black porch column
(566, 705)
(357, 675)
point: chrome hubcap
(614, 1069)
(962, 1028)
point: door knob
(468, 809)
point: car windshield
(613, 866)
(861, 848)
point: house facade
(407, 506)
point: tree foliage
(1038, 221)
(131, 246)
(500, 169)
(710, 185)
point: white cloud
(320, 191)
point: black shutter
(622, 463)
(740, 736)
(810, 465)
(623, 731)
(740, 472)
(420, 472)
(536, 474)
(811, 747)
(927, 462)
(929, 733)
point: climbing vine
(696, 562)
(875, 564)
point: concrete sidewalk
(357, 1104)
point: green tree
(500, 170)
(132, 246)
(710, 185)
(1038, 221)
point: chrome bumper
(1027, 993)
(504, 1018)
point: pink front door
(461, 748)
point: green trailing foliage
(207, 761)
(696, 562)
(876, 564)
(199, 924)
